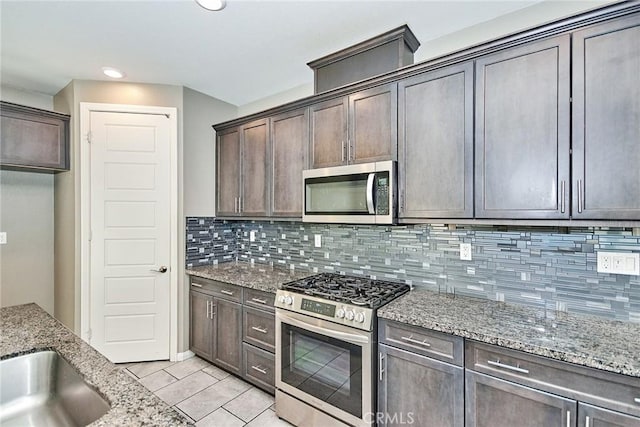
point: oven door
(325, 365)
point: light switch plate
(252, 236)
(627, 263)
(3, 237)
(465, 251)
(317, 240)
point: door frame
(86, 108)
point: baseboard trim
(184, 356)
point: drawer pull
(509, 367)
(259, 369)
(224, 291)
(259, 301)
(568, 418)
(259, 329)
(637, 400)
(197, 285)
(415, 341)
(586, 421)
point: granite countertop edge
(248, 275)
(582, 340)
(28, 329)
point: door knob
(162, 269)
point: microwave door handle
(370, 207)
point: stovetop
(358, 291)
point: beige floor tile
(210, 399)
(268, 419)
(157, 380)
(220, 418)
(186, 417)
(143, 369)
(188, 367)
(249, 404)
(216, 372)
(185, 388)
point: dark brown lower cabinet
(593, 416)
(227, 337)
(418, 390)
(201, 324)
(492, 402)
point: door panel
(329, 133)
(227, 349)
(606, 130)
(201, 325)
(130, 222)
(592, 416)
(228, 161)
(254, 181)
(522, 131)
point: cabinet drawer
(605, 389)
(259, 367)
(259, 299)
(218, 289)
(259, 328)
(422, 341)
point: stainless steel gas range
(326, 328)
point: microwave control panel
(382, 194)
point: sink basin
(43, 389)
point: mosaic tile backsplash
(532, 266)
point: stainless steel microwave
(355, 194)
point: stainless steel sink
(42, 389)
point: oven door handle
(370, 181)
(344, 336)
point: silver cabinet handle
(235, 204)
(586, 421)
(240, 203)
(580, 196)
(197, 285)
(415, 341)
(380, 366)
(224, 291)
(213, 309)
(259, 329)
(259, 301)
(568, 418)
(208, 315)
(162, 269)
(637, 400)
(562, 196)
(509, 367)
(343, 155)
(259, 369)
(349, 151)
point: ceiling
(250, 50)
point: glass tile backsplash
(532, 266)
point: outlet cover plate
(317, 240)
(465, 251)
(3, 237)
(627, 263)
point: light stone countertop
(255, 276)
(28, 328)
(584, 340)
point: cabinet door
(227, 345)
(255, 164)
(492, 402)
(606, 120)
(414, 389)
(329, 133)
(373, 124)
(592, 416)
(436, 144)
(228, 182)
(289, 145)
(201, 322)
(522, 132)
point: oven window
(324, 367)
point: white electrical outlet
(465, 251)
(252, 236)
(619, 263)
(317, 240)
(3, 237)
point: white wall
(290, 95)
(26, 215)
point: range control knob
(340, 313)
(349, 314)
(360, 317)
(288, 300)
(281, 299)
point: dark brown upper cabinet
(358, 128)
(243, 163)
(435, 143)
(606, 121)
(522, 131)
(289, 145)
(33, 139)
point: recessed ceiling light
(212, 4)
(114, 73)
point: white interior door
(130, 235)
